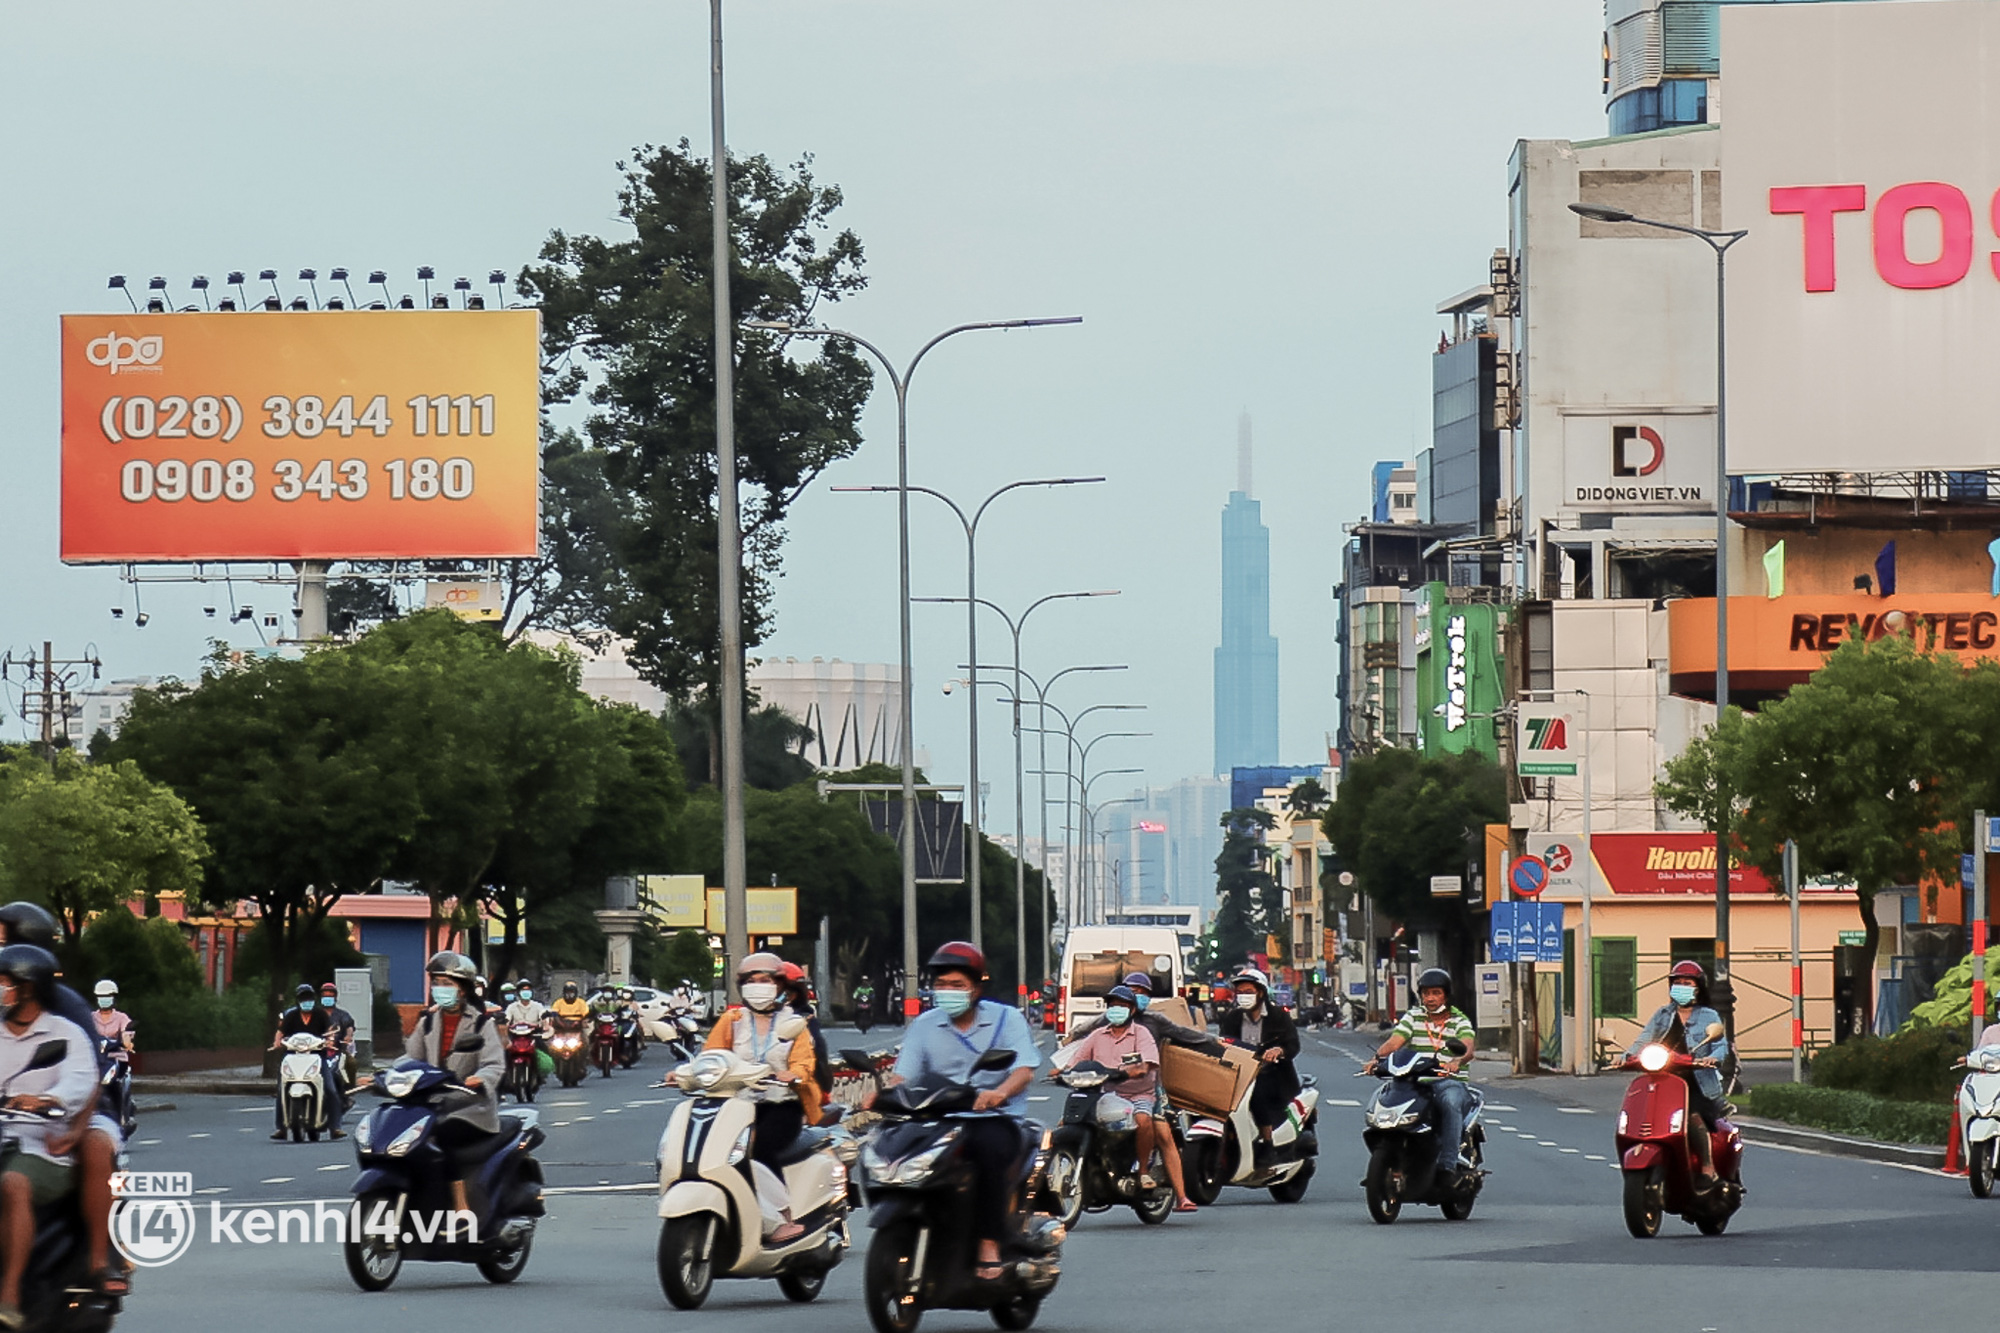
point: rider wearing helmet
(940, 1045)
(1427, 1029)
(41, 1172)
(342, 1026)
(572, 1004)
(798, 994)
(308, 1015)
(750, 1030)
(477, 1063)
(112, 1023)
(1254, 1022)
(1683, 1023)
(1119, 1042)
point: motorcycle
(709, 1189)
(302, 1086)
(604, 1042)
(57, 1292)
(115, 1095)
(566, 1046)
(681, 1035)
(1979, 1118)
(1216, 1152)
(403, 1197)
(1401, 1134)
(864, 1013)
(1656, 1156)
(1091, 1151)
(919, 1181)
(524, 1073)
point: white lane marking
(1593, 1157)
(1576, 1110)
(557, 1124)
(1496, 1106)
(1037, 1099)
(649, 1101)
(1520, 1135)
(148, 1143)
(337, 1166)
(648, 1187)
(276, 1180)
(197, 1136)
(613, 1110)
(1810, 1152)
(1545, 1143)
(246, 1110)
(1342, 1101)
(569, 1103)
(247, 1129)
(213, 1189)
(1563, 1150)
(580, 1119)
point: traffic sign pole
(1798, 972)
(1586, 968)
(1979, 842)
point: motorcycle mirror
(1714, 1030)
(1455, 1046)
(859, 1061)
(49, 1054)
(788, 1029)
(997, 1058)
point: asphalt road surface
(1822, 1243)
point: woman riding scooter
(462, 1037)
(751, 1031)
(1675, 1024)
(1254, 1022)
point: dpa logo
(118, 352)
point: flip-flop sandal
(1187, 1206)
(112, 1280)
(989, 1272)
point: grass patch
(1844, 1111)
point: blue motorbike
(403, 1206)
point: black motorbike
(864, 1013)
(114, 1097)
(57, 1293)
(403, 1198)
(631, 1039)
(1091, 1162)
(919, 1179)
(1401, 1134)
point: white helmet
(107, 987)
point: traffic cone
(1954, 1151)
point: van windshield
(1094, 974)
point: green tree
(1307, 798)
(1244, 887)
(84, 838)
(771, 742)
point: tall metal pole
(1979, 832)
(1020, 836)
(1725, 991)
(1042, 739)
(1791, 862)
(729, 543)
(972, 713)
(1586, 988)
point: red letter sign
(1818, 204)
(1892, 255)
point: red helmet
(1689, 968)
(958, 956)
(792, 972)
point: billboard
(1643, 461)
(1775, 643)
(1862, 155)
(1458, 674)
(322, 435)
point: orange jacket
(801, 1061)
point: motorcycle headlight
(916, 1169)
(741, 1148)
(1392, 1115)
(703, 1072)
(408, 1139)
(1655, 1058)
(363, 1133)
(400, 1083)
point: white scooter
(714, 1213)
(1979, 1118)
(676, 1030)
(302, 1086)
(1216, 1152)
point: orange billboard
(1778, 642)
(328, 435)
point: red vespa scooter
(1657, 1158)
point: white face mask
(1246, 1001)
(760, 995)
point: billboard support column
(312, 598)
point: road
(1822, 1242)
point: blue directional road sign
(1965, 871)
(1526, 933)
(1501, 942)
(1551, 931)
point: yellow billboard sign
(771, 911)
(677, 902)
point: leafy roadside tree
(1244, 887)
(1307, 798)
(83, 838)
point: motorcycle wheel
(802, 1286)
(373, 1260)
(1017, 1314)
(1154, 1209)
(1063, 1176)
(687, 1259)
(500, 1269)
(1979, 1167)
(604, 1063)
(1457, 1210)
(1712, 1226)
(1294, 1189)
(1385, 1201)
(892, 1308)
(1643, 1204)
(295, 1120)
(1201, 1162)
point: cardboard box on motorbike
(1208, 1084)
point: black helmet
(1139, 981)
(1434, 977)
(30, 923)
(569, 990)
(32, 966)
(304, 991)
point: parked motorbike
(1091, 1152)
(115, 1095)
(524, 1072)
(1979, 1118)
(710, 1221)
(302, 1086)
(403, 1207)
(919, 1182)
(1217, 1152)
(57, 1293)
(1401, 1134)
(567, 1047)
(1658, 1159)
(631, 1038)
(604, 1042)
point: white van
(1096, 958)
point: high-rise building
(1246, 663)
(1663, 62)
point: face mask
(105, 1002)
(307, 1003)
(1246, 1001)
(1118, 1015)
(1143, 1001)
(445, 997)
(1682, 995)
(1436, 1006)
(760, 995)
(953, 1002)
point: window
(1615, 962)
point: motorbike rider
(571, 1005)
(1427, 1028)
(798, 994)
(42, 1171)
(864, 998)
(1120, 1043)
(750, 1030)
(1253, 1021)
(941, 1044)
(1166, 1033)
(474, 1055)
(1683, 1022)
(307, 1016)
(112, 1022)
(526, 1008)
(343, 1026)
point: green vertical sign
(1458, 673)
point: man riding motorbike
(1428, 1028)
(1253, 1021)
(1682, 1024)
(571, 1005)
(343, 1026)
(864, 1003)
(1119, 1043)
(308, 1016)
(751, 1031)
(475, 1056)
(941, 1044)
(525, 1008)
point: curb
(219, 1087)
(150, 1105)
(1773, 1134)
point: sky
(1255, 206)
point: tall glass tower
(1246, 663)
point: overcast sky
(1254, 204)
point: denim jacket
(1698, 1020)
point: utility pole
(45, 681)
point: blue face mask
(307, 1004)
(1681, 995)
(953, 1002)
(445, 997)
(1143, 1001)
(1117, 1015)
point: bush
(199, 1020)
(1840, 1111)
(1914, 1065)
(146, 956)
(1950, 1005)
(314, 955)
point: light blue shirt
(936, 1050)
(1699, 1019)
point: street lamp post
(1091, 813)
(971, 527)
(1718, 241)
(906, 739)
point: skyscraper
(1246, 663)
